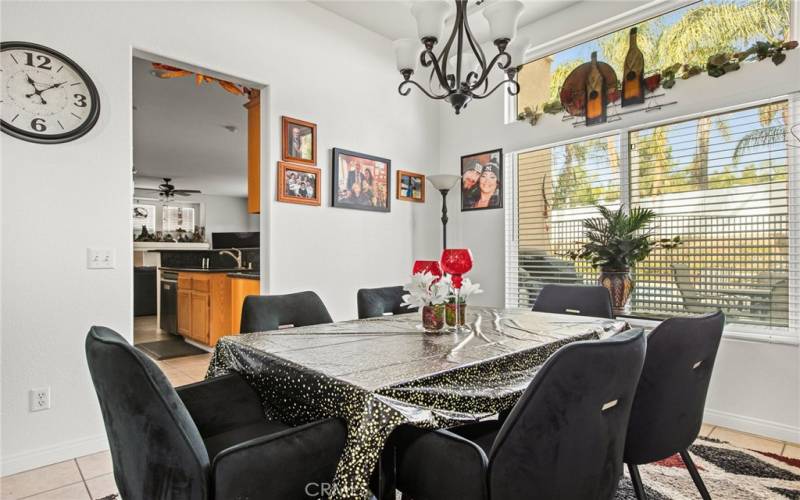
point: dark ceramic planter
(620, 286)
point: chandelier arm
(488, 69)
(431, 61)
(510, 92)
(461, 7)
(444, 55)
(475, 46)
(402, 88)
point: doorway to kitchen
(195, 206)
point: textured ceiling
(393, 19)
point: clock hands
(38, 92)
(54, 86)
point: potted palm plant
(616, 242)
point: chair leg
(636, 479)
(698, 481)
(386, 476)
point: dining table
(377, 374)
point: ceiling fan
(167, 190)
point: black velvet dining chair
(261, 313)
(375, 302)
(668, 409)
(582, 300)
(208, 440)
(563, 439)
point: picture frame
(298, 141)
(482, 180)
(371, 176)
(299, 184)
(410, 186)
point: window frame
(759, 333)
(612, 24)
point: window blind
(557, 187)
(720, 182)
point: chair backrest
(156, 448)
(261, 313)
(565, 436)
(689, 293)
(583, 300)
(668, 410)
(375, 302)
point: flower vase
(433, 318)
(450, 314)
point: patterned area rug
(729, 472)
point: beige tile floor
(90, 477)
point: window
(557, 188)
(177, 219)
(144, 217)
(719, 181)
(689, 35)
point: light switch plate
(100, 258)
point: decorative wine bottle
(596, 94)
(633, 74)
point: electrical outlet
(40, 399)
(100, 258)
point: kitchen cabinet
(201, 312)
(184, 310)
(241, 288)
(204, 310)
(254, 152)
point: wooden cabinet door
(201, 317)
(184, 312)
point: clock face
(46, 97)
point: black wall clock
(46, 97)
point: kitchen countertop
(226, 270)
(246, 275)
(198, 249)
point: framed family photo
(298, 184)
(410, 186)
(482, 180)
(360, 181)
(299, 141)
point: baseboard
(52, 454)
(198, 345)
(753, 425)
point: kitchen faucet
(237, 256)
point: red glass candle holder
(456, 262)
(428, 266)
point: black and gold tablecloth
(379, 373)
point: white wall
(318, 67)
(224, 214)
(755, 386)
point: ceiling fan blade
(187, 192)
(155, 190)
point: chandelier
(460, 71)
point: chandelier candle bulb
(406, 52)
(516, 49)
(430, 16)
(503, 18)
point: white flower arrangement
(468, 289)
(425, 290)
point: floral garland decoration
(716, 66)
